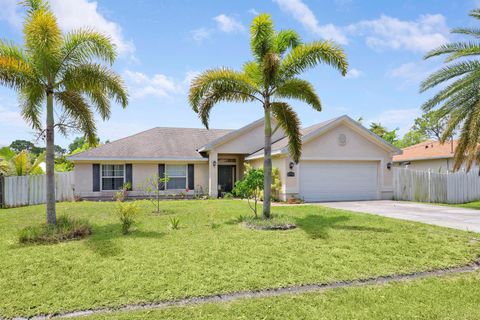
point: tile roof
(156, 143)
(430, 149)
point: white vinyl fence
(28, 190)
(423, 186)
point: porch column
(213, 174)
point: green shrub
(67, 228)
(127, 212)
(174, 223)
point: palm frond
(252, 70)
(286, 39)
(455, 50)
(43, 39)
(299, 89)
(270, 66)
(475, 13)
(309, 55)
(464, 83)
(467, 149)
(14, 73)
(90, 78)
(288, 120)
(77, 109)
(261, 35)
(467, 31)
(209, 85)
(449, 72)
(31, 97)
(84, 45)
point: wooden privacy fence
(28, 190)
(424, 186)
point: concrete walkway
(445, 216)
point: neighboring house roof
(430, 149)
(155, 144)
(309, 133)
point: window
(113, 176)
(177, 175)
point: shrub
(67, 228)
(122, 194)
(127, 212)
(174, 223)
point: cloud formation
(423, 34)
(302, 13)
(228, 24)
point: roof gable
(312, 132)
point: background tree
(20, 164)
(153, 188)
(82, 144)
(381, 131)
(20, 145)
(411, 138)
(459, 97)
(66, 72)
(278, 58)
(431, 124)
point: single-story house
(429, 155)
(341, 160)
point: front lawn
(447, 298)
(470, 205)
(210, 253)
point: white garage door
(338, 180)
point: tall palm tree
(65, 71)
(459, 99)
(279, 57)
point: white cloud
(201, 34)
(158, 85)
(9, 12)
(253, 11)
(190, 75)
(353, 73)
(427, 32)
(228, 24)
(73, 14)
(396, 118)
(302, 13)
(10, 118)
(411, 72)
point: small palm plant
(65, 71)
(278, 58)
(459, 100)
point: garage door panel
(331, 181)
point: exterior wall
(140, 172)
(327, 147)
(249, 142)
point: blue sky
(163, 44)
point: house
(341, 160)
(429, 155)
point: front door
(226, 179)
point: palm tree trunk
(267, 163)
(50, 162)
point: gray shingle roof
(156, 143)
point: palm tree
(61, 69)
(20, 164)
(279, 57)
(459, 100)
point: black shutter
(96, 176)
(128, 175)
(161, 175)
(191, 179)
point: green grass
(470, 205)
(154, 262)
(453, 297)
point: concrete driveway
(452, 217)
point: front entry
(226, 179)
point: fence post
(429, 185)
(2, 191)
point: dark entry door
(226, 178)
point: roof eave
(73, 159)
